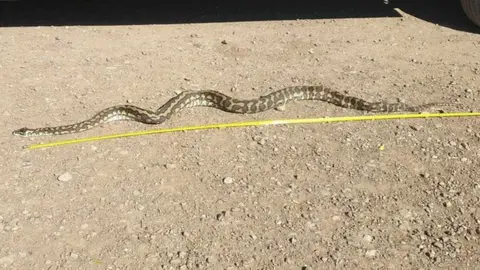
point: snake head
(24, 132)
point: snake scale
(211, 98)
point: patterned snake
(210, 98)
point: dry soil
(360, 195)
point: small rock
(224, 42)
(228, 180)
(368, 238)
(65, 177)
(465, 146)
(211, 259)
(182, 254)
(371, 253)
(447, 204)
(170, 166)
(175, 261)
(416, 128)
(221, 216)
(26, 164)
(431, 254)
(425, 175)
(463, 159)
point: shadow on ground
(60, 13)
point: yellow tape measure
(259, 123)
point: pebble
(211, 259)
(425, 175)
(175, 261)
(221, 216)
(371, 253)
(170, 166)
(447, 204)
(65, 177)
(182, 254)
(368, 238)
(262, 141)
(228, 180)
(465, 146)
(26, 164)
(416, 128)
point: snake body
(210, 98)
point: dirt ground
(361, 195)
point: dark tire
(472, 9)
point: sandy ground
(364, 195)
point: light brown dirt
(318, 196)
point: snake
(211, 98)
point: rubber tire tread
(472, 9)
